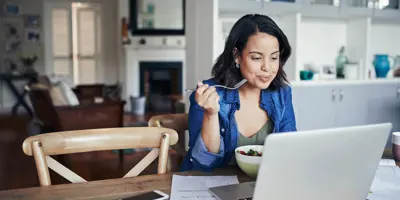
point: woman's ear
(236, 55)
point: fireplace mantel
(136, 54)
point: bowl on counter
(306, 75)
(249, 164)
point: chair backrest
(178, 122)
(58, 143)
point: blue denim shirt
(277, 104)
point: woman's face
(259, 61)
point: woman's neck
(247, 91)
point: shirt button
(191, 160)
(223, 130)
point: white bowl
(249, 164)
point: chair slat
(63, 171)
(146, 161)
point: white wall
(320, 41)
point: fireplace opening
(159, 83)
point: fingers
(209, 91)
(212, 100)
(200, 90)
(199, 83)
(203, 94)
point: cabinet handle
(333, 95)
(398, 93)
(341, 94)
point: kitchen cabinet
(330, 106)
(342, 105)
(383, 105)
(314, 107)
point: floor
(18, 170)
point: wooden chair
(179, 123)
(43, 146)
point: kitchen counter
(345, 82)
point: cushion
(69, 95)
(57, 95)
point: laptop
(329, 164)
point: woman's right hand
(207, 98)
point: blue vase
(382, 65)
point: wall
(27, 7)
(320, 41)
(110, 74)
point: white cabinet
(384, 106)
(328, 106)
(314, 107)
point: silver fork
(236, 86)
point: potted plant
(28, 62)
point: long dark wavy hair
(224, 70)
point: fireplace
(158, 82)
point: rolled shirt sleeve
(201, 154)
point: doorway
(73, 41)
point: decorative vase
(382, 65)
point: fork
(236, 86)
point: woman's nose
(265, 67)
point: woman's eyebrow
(275, 52)
(256, 52)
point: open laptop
(329, 164)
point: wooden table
(119, 188)
(112, 188)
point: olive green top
(257, 139)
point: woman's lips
(264, 78)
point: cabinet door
(384, 106)
(314, 107)
(352, 105)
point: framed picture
(12, 29)
(13, 34)
(32, 36)
(145, 19)
(12, 9)
(32, 21)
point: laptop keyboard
(248, 198)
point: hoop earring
(237, 65)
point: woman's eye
(256, 58)
(275, 58)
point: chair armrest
(90, 116)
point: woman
(222, 119)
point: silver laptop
(327, 164)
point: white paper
(196, 187)
(386, 184)
(387, 162)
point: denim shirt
(277, 104)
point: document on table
(196, 187)
(387, 162)
(386, 184)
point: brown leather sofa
(87, 115)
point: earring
(237, 65)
